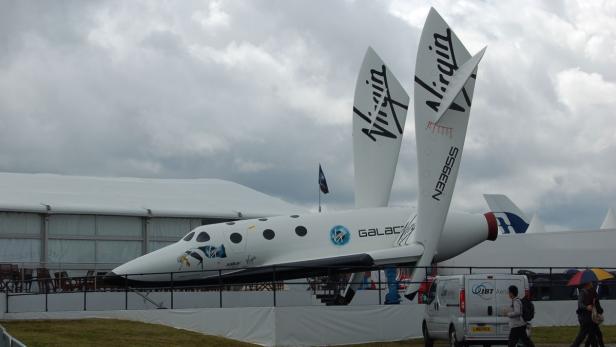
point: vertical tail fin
(510, 218)
(444, 82)
(379, 114)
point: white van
(466, 309)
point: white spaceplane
(298, 246)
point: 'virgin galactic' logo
(339, 235)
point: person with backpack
(517, 323)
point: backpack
(528, 309)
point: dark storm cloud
(260, 92)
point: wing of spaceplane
(444, 82)
(325, 265)
(379, 114)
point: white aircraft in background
(300, 246)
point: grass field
(108, 332)
(111, 332)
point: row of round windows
(268, 234)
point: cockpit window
(203, 237)
(189, 236)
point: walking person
(517, 325)
(586, 301)
(595, 334)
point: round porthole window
(268, 234)
(203, 237)
(235, 238)
(301, 230)
(295, 216)
(262, 219)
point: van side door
(432, 309)
(442, 316)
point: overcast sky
(260, 92)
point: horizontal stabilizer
(457, 83)
(397, 255)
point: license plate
(481, 329)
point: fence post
(126, 292)
(551, 284)
(85, 291)
(171, 273)
(380, 301)
(274, 283)
(7, 298)
(220, 288)
(46, 299)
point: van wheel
(453, 340)
(428, 342)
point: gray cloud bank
(259, 92)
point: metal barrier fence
(7, 340)
(218, 289)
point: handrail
(547, 285)
(7, 340)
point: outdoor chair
(5, 276)
(99, 283)
(44, 281)
(27, 279)
(65, 283)
(89, 282)
(15, 278)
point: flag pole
(319, 188)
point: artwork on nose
(199, 254)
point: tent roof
(536, 225)
(609, 222)
(136, 196)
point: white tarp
(136, 196)
(306, 325)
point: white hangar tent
(75, 222)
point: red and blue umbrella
(589, 276)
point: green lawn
(112, 332)
(108, 332)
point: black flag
(322, 181)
